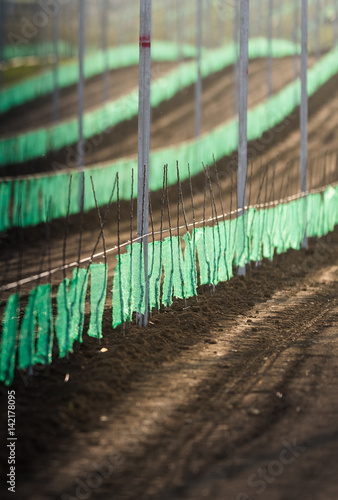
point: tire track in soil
(187, 422)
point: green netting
(250, 236)
(9, 339)
(36, 333)
(70, 316)
(330, 209)
(154, 274)
(50, 187)
(189, 266)
(122, 289)
(36, 143)
(5, 200)
(28, 333)
(94, 64)
(128, 282)
(98, 292)
(65, 49)
(45, 332)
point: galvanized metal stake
(296, 41)
(81, 83)
(105, 20)
(198, 88)
(280, 20)
(335, 23)
(56, 39)
(2, 29)
(236, 64)
(243, 109)
(144, 141)
(304, 106)
(269, 58)
(180, 27)
(317, 23)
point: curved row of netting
(27, 201)
(35, 143)
(47, 324)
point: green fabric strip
(98, 292)
(28, 333)
(44, 345)
(261, 118)
(34, 144)
(70, 316)
(9, 339)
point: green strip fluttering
(36, 333)
(172, 273)
(50, 189)
(65, 49)
(8, 344)
(98, 292)
(70, 304)
(95, 63)
(36, 143)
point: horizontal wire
(87, 260)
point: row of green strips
(24, 202)
(65, 49)
(248, 238)
(95, 63)
(37, 143)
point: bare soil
(201, 403)
(233, 396)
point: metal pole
(295, 41)
(236, 65)
(269, 59)
(317, 21)
(105, 19)
(335, 23)
(243, 109)
(144, 140)
(198, 88)
(258, 18)
(304, 106)
(180, 27)
(56, 39)
(2, 38)
(81, 83)
(280, 20)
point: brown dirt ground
(206, 400)
(172, 122)
(199, 401)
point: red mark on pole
(145, 41)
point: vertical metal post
(198, 88)
(296, 41)
(304, 105)
(236, 64)
(105, 20)
(144, 141)
(243, 109)
(280, 20)
(56, 40)
(317, 23)
(81, 83)
(258, 18)
(269, 58)
(335, 23)
(2, 39)
(180, 27)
